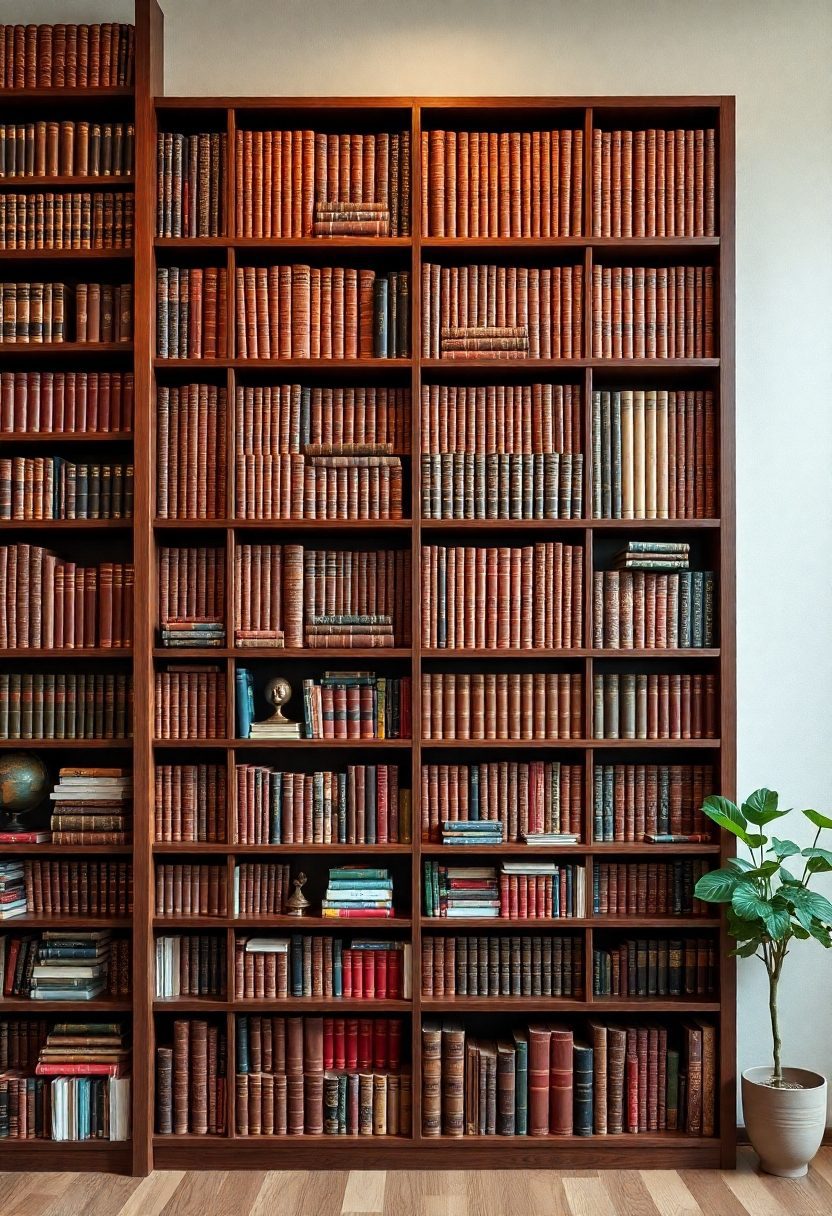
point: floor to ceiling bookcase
(712, 537)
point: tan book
(639, 476)
(627, 456)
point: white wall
(775, 56)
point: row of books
(260, 888)
(657, 967)
(304, 1045)
(20, 1042)
(499, 598)
(653, 454)
(71, 402)
(480, 311)
(73, 614)
(348, 1103)
(191, 585)
(92, 805)
(502, 183)
(536, 889)
(191, 312)
(653, 610)
(651, 801)
(268, 595)
(650, 705)
(312, 183)
(190, 964)
(190, 184)
(552, 1080)
(348, 583)
(66, 888)
(46, 602)
(51, 487)
(189, 702)
(36, 312)
(189, 802)
(277, 419)
(190, 1076)
(502, 705)
(356, 704)
(80, 1090)
(69, 148)
(72, 965)
(648, 888)
(653, 312)
(654, 182)
(528, 799)
(66, 219)
(307, 965)
(322, 312)
(364, 804)
(462, 485)
(343, 484)
(66, 705)
(502, 965)
(492, 419)
(191, 453)
(67, 55)
(183, 889)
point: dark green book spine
(380, 317)
(582, 1083)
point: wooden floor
(426, 1193)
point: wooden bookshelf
(714, 536)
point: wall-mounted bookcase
(494, 375)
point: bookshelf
(585, 372)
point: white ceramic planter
(785, 1126)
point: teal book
(582, 1082)
(244, 702)
(521, 1084)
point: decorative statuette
(297, 903)
(278, 692)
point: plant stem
(773, 981)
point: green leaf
(799, 932)
(753, 840)
(717, 886)
(765, 870)
(748, 903)
(715, 805)
(740, 863)
(742, 929)
(747, 949)
(777, 921)
(783, 848)
(812, 903)
(824, 853)
(819, 820)
(787, 878)
(761, 807)
(820, 933)
(818, 865)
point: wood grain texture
(487, 1192)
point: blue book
(337, 967)
(342, 808)
(380, 305)
(297, 964)
(245, 702)
(370, 814)
(521, 1084)
(276, 809)
(242, 1044)
(474, 793)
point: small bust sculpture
(278, 692)
(297, 903)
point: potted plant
(768, 908)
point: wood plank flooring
(743, 1192)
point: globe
(24, 783)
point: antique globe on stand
(24, 784)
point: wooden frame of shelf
(148, 1150)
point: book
(502, 183)
(502, 705)
(648, 888)
(522, 796)
(353, 705)
(191, 1088)
(302, 183)
(68, 56)
(192, 596)
(307, 965)
(191, 312)
(654, 182)
(94, 313)
(92, 806)
(78, 888)
(352, 890)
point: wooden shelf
(280, 654)
(66, 525)
(47, 849)
(265, 850)
(63, 920)
(70, 350)
(61, 437)
(561, 744)
(291, 1006)
(290, 525)
(564, 923)
(67, 255)
(27, 1007)
(277, 921)
(636, 848)
(521, 245)
(75, 181)
(343, 366)
(19, 745)
(66, 652)
(289, 245)
(66, 93)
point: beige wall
(775, 56)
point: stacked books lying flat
(472, 832)
(484, 342)
(357, 892)
(71, 966)
(12, 889)
(307, 965)
(550, 837)
(351, 219)
(200, 631)
(335, 630)
(85, 1049)
(357, 705)
(92, 806)
(457, 891)
(535, 889)
(654, 555)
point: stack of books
(458, 891)
(662, 555)
(198, 631)
(92, 806)
(90, 1090)
(85, 1049)
(349, 630)
(351, 219)
(12, 889)
(474, 831)
(256, 639)
(358, 891)
(484, 342)
(550, 838)
(71, 966)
